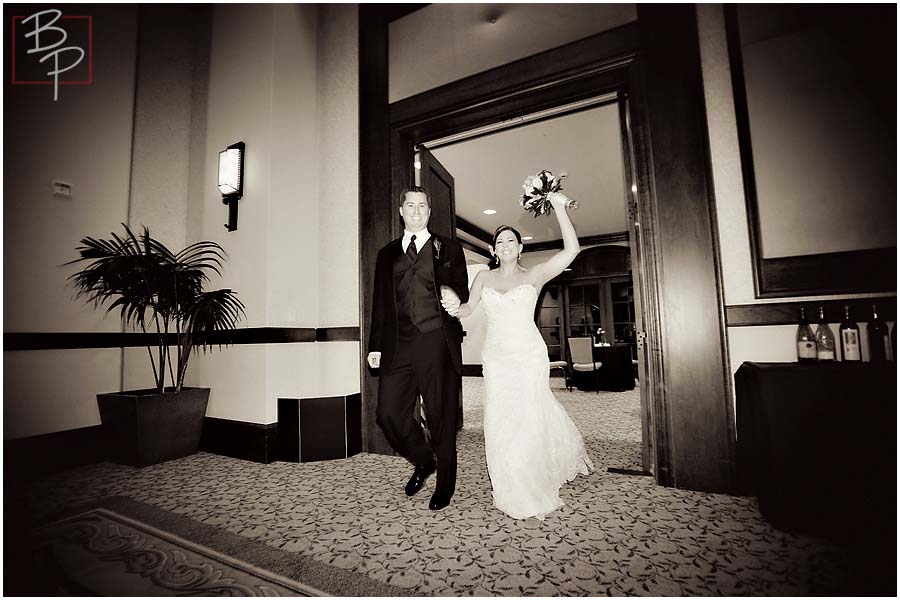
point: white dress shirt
(421, 238)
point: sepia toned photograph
(450, 300)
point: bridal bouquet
(537, 191)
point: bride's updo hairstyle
(495, 262)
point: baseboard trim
(472, 371)
(36, 456)
(40, 455)
(239, 439)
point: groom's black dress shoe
(440, 500)
(418, 478)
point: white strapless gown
(531, 445)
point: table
(817, 445)
(616, 374)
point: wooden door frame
(693, 440)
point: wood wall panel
(67, 340)
(378, 214)
(788, 313)
(698, 404)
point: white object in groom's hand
(374, 359)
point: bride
(531, 445)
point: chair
(561, 364)
(581, 358)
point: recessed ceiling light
(525, 238)
(489, 211)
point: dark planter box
(143, 427)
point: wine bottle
(806, 340)
(849, 332)
(824, 339)
(880, 350)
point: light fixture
(417, 165)
(489, 211)
(231, 180)
(527, 238)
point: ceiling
(489, 171)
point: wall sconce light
(231, 180)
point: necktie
(411, 249)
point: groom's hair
(415, 188)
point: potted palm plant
(161, 293)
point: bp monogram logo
(49, 48)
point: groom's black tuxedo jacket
(449, 269)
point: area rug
(122, 547)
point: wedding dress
(531, 445)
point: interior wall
(172, 39)
(776, 343)
(821, 188)
(293, 259)
(282, 78)
(473, 325)
(290, 238)
(762, 344)
(84, 139)
(55, 390)
(162, 125)
(338, 166)
(441, 43)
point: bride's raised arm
(557, 263)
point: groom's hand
(374, 359)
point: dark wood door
(438, 182)
(640, 285)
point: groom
(416, 346)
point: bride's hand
(558, 200)
(450, 306)
(450, 301)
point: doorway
(478, 174)
(654, 66)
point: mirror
(815, 100)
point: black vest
(418, 309)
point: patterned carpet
(617, 535)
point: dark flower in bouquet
(538, 188)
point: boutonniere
(437, 248)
